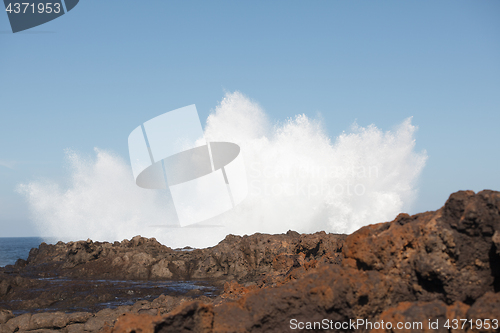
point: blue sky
(88, 78)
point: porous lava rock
(236, 257)
(87, 275)
(440, 265)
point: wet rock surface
(432, 267)
(63, 294)
(92, 277)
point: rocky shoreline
(88, 277)
(439, 265)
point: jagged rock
(143, 323)
(193, 317)
(160, 270)
(236, 257)
(447, 255)
(4, 287)
(424, 317)
(486, 307)
(5, 315)
(437, 265)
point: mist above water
(299, 178)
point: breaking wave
(299, 179)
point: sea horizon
(14, 248)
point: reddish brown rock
(433, 266)
(485, 313)
(233, 290)
(447, 255)
(236, 257)
(419, 317)
(244, 259)
(135, 323)
(192, 317)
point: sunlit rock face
(431, 269)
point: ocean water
(124, 292)
(13, 248)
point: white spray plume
(298, 178)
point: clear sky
(88, 78)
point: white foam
(298, 177)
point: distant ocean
(13, 248)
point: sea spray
(298, 178)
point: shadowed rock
(437, 265)
(432, 267)
(236, 257)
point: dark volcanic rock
(235, 257)
(448, 255)
(418, 315)
(440, 265)
(86, 321)
(76, 276)
(432, 267)
(85, 275)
